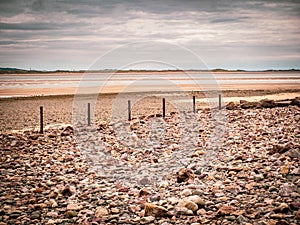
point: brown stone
(226, 210)
(101, 212)
(184, 175)
(155, 211)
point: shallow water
(100, 79)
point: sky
(184, 34)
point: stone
(231, 106)
(296, 101)
(226, 210)
(241, 219)
(52, 214)
(296, 171)
(147, 219)
(282, 222)
(298, 214)
(280, 149)
(186, 192)
(189, 205)
(284, 170)
(201, 212)
(154, 210)
(115, 210)
(267, 103)
(183, 211)
(74, 207)
(70, 214)
(101, 212)
(35, 215)
(258, 177)
(144, 192)
(248, 105)
(184, 175)
(197, 199)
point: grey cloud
(229, 20)
(28, 26)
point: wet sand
(23, 112)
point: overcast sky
(61, 34)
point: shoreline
(201, 94)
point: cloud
(93, 27)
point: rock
(183, 211)
(74, 207)
(280, 149)
(52, 214)
(241, 219)
(115, 210)
(186, 192)
(296, 101)
(184, 175)
(70, 214)
(258, 177)
(282, 208)
(147, 219)
(282, 222)
(67, 131)
(231, 106)
(197, 200)
(53, 203)
(226, 210)
(189, 205)
(283, 103)
(35, 215)
(277, 216)
(155, 211)
(15, 214)
(101, 212)
(284, 170)
(66, 191)
(144, 192)
(295, 171)
(51, 221)
(38, 190)
(248, 105)
(267, 103)
(201, 212)
(298, 214)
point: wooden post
(89, 114)
(220, 102)
(194, 104)
(129, 110)
(41, 120)
(164, 107)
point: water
(140, 79)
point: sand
(23, 112)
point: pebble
(189, 205)
(101, 212)
(154, 210)
(251, 178)
(70, 214)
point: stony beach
(252, 177)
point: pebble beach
(252, 177)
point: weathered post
(194, 104)
(89, 114)
(129, 110)
(164, 107)
(220, 102)
(41, 120)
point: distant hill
(23, 71)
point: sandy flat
(117, 89)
